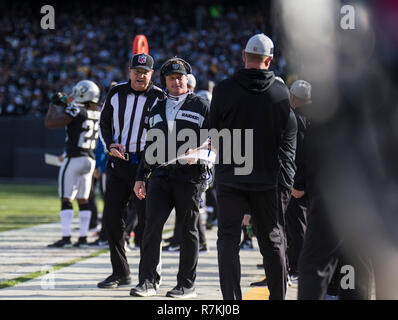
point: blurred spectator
(94, 42)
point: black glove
(60, 99)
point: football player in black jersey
(80, 118)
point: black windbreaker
(252, 99)
(194, 115)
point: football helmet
(85, 91)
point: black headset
(187, 67)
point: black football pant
(296, 224)
(263, 207)
(119, 187)
(163, 195)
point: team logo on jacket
(190, 116)
(142, 59)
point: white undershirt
(173, 105)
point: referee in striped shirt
(123, 127)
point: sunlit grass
(23, 206)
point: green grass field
(25, 205)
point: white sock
(66, 221)
(84, 217)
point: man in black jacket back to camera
(252, 99)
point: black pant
(119, 187)
(284, 195)
(323, 251)
(263, 207)
(296, 224)
(211, 201)
(92, 202)
(176, 240)
(163, 194)
(135, 222)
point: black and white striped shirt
(124, 116)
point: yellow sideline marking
(257, 293)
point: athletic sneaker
(209, 225)
(168, 240)
(63, 243)
(171, 248)
(81, 243)
(203, 249)
(247, 244)
(114, 281)
(262, 283)
(182, 293)
(144, 289)
(99, 243)
(293, 278)
(289, 281)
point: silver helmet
(85, 91)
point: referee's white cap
(260, 44)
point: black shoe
(114, 281)
(246, 244)
(262, 283)
(182, 293)
(144, 289)
(168, 240)
(99, 243)
(293, 278)
(203, 249)
(92, 226)
(81, 243)
(63, 243)
(171, 248)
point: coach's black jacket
(193, 114)
(252, 99)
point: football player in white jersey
(80, 118)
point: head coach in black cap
(176, 185)
(123, 124)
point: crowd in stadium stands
(94, 42)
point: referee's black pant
(119, 187)
(163, 195)
(263, 207)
